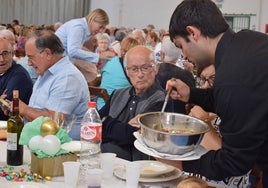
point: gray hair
(6, 34)
(2, 27)
(172, 53)
(139, 31)
(120, 35)
(101, 36)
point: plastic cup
(107, 164)
(132, 174)
(71, 172)
(94, 177)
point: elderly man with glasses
(12, 76)
(60, 86)
(121, 111)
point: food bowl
(171, 133)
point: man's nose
(139, 71)
(206, 85)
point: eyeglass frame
(202, 80)
(144, 68)
(5, 54)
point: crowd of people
(218, 72)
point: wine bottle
(14, 127)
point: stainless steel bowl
(171, 133)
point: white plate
(23, 185)
(73, 146)
(154, 168)
(196, 154)
(120, 172)
(3, 124)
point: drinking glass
(64, 121)
(68, 123)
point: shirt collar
(57, 66)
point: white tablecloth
(57, 182)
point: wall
(139, 13)
(42, 11)
(128, 13)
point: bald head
(141, 68)
(139, 52)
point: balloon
(35, 142)
(50, 144)
(49, 127)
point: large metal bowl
(171, 133)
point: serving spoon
(166, 100)
(167, 97)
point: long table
(58, 182)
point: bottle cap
(92, 104)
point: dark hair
(203, 14)
(10, 27)
(201, 67)
(15, 22)
(47, 39)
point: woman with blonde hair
(75, 32)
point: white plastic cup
(132, 174)
(71, 172)
(94, 177)
(107, 164)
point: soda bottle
(90, 136)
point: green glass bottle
(14, 127)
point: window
(239, 21)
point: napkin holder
(50, 166)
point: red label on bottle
(91, 132)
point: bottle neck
(15, 107)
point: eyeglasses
(5, 54)
(210, 80)
(143, 69)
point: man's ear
(193, 32)
(48, 53)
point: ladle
(166, 100)
(167, 97)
